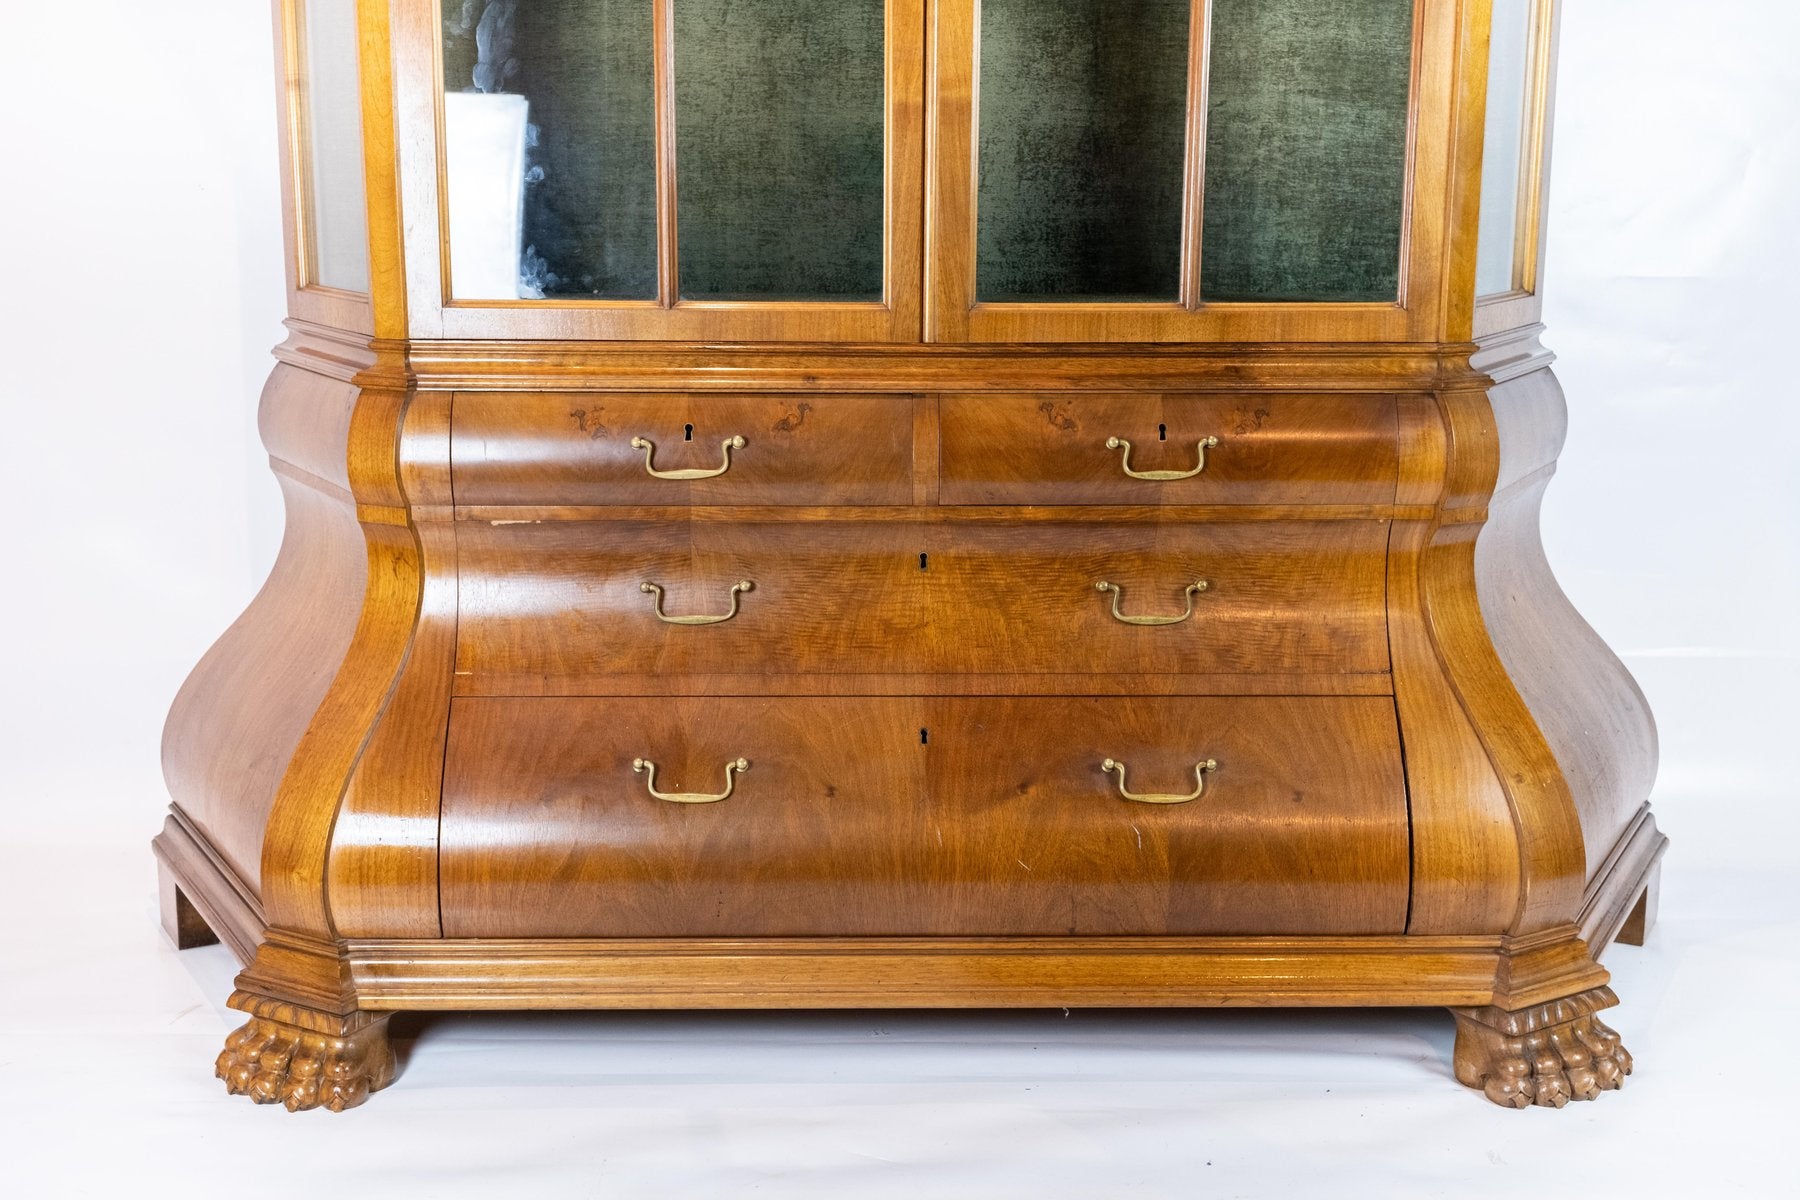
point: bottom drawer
(910, 816)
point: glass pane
(334, 214)
(779, 148)
(1502, 178)
(1083, 136)
(550, 148)
(1306, 149)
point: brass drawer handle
(1160, 476)
(649, 449)
(1200, 770)
(652, 589)
(1199, 585)
(642, 765)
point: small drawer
(559, 604)
(624, 448)
(1168, 449)
(903, 816)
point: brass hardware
(1160, 476)
(649, 449)
(642, 765)
(651, 589)
(1199, 585)
(1200, 770)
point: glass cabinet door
(1163, 170)
(1513, 148)
(327, 146)
(686, 168)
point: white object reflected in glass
(484, 168)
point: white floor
(107, 1037)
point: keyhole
(690, 434)
(1162, 432)
(924, 562)
(924, 737)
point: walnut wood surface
(181, 921)
(303, 1059)
(1050, 448)
(239, 719)
(382, 871)
(546, 448)
(1592, 714)
(1432, 775)
(1546, 1055)
(562, 600)
(922, 816)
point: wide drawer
(549, 605)
(1070, 448)
(577, 448)
(906, 816)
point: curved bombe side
(306, 755)
(1590, 711)
(239, 719)
(265, 742)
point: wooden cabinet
(1167, 450)
(902, 816)
(662, 449)
(912, 502)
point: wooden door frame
(953, 314)
(898, 317)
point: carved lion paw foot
(273, 1062)
(1547, 1055)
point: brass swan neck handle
(1205, 444)
(1118, 594)
(653, 589)
(643, 766)
(649, 449)
(1200, 770)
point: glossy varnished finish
(1051, 448)
(404, 779)
(549, 448)
(563, 600)
(905, 816)
(239, 719)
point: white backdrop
(140, 293)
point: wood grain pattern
(552, 449)
(432, 313)
(1465, 849)
(562, 601)
(1430, 776)
(952, 313)
(1334, 683)
(1051, 448)
(239, 719)
(509, 365)
(898, 816)
(462, 973)
(1590, 711)
(382, 873)
(1622, 894)
(225, 903)
(886, 973)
